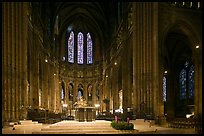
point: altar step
(74, 127)
(24, 123)
(143, 126)
(81, 132)
(27, 122)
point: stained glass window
(80, 48)
(89, 49)
(164, 89)
(183, 84)
(191, 82)
(71, 48)
(187, 81)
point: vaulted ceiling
(96, 17)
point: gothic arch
(181, 27)
(177, 46)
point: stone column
(126, 82)
(155, 74)
(103, 93)
(75, 93)
(19, 52)
(170, 94)
(45, 83)
(115, 88)
(8, 61)
(149, 44)
(35, 73)
(198, 81)
(139, 56)
(24, 55)
(134, 56)
(52, 88)
(57, 103)
(94, 94)
(67, 92)
(13, 44)
(144, 57)
(110, 94)
(85, 91)
(55, 91)
(5, 63)
(107, 91)
(49, 85)
(30, 63)
(17, 60)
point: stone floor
(95, 127)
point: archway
(178, 47)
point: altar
(84, 112)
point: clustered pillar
(144, 69)
(14, 60)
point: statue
(81, 102)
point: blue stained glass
(71, 48)
(183, 84)
(164, 89)
(191, 82)
(80, 48)
(89, 49)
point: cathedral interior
(127, 58)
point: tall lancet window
(187, 81)
(164, 89)
(89, 49)
(80, 48)
(183, 84)
(191, 82)
(71, 48)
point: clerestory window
(81, 47)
